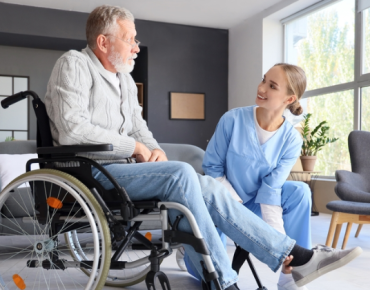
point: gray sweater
(85, 108)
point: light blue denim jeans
(211, 204)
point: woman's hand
(286, 269)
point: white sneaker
(180, 253)
(286, 282)
(324, 260)
(291, 286)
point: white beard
(121, 67)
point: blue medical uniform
(259, 173)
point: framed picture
(187, 106)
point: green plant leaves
(315, 140)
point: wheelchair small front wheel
(40, 206)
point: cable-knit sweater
(85, 108)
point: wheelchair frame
(119, 217)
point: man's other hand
(158, 155)
(142, 153)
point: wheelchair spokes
(39, 257)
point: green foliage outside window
(327, 56)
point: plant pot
(308, 162)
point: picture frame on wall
(187, 106)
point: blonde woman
(253, 150)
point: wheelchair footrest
(150, 280)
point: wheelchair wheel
(36, 210)
(117, 278)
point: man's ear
(102, 43)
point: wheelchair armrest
(73, 149)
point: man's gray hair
(103, 20)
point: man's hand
(158, 155)
(142, 152)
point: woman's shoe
(180, 253)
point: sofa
(14, 154)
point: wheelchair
(80, 235)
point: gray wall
(181, 58)
(35, 63)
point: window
(331, 42)
(13, 120)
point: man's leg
(175, 182)
(178, 182)
(244, 227)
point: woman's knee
(300, 192)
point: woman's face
(272, 91)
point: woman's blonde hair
(296, 85)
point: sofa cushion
(20, 203)
(13, 165)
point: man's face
(122, 49)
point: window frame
(360, 80)
(28, 105)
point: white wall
(254, 46)
(245, 61)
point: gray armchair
(355, 185)
(353, 188)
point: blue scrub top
(253, 170)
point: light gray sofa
(175, 152)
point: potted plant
(313, 141)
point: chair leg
(358, 230)
(336, 236)
(346, 236)
(333, 223)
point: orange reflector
(148, 235)
(54, 202)
(18, 281)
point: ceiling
(206, 13)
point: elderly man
(91, 98)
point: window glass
(366, 42)
(4, 135)
(15, 117)
(322, 43)
(365, 106)
(20, 84)
(338, 110)
(20, 135)
(5, 86)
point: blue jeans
(296, 204)
(211, 204)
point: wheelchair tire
(40, 259)
(115, 278)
